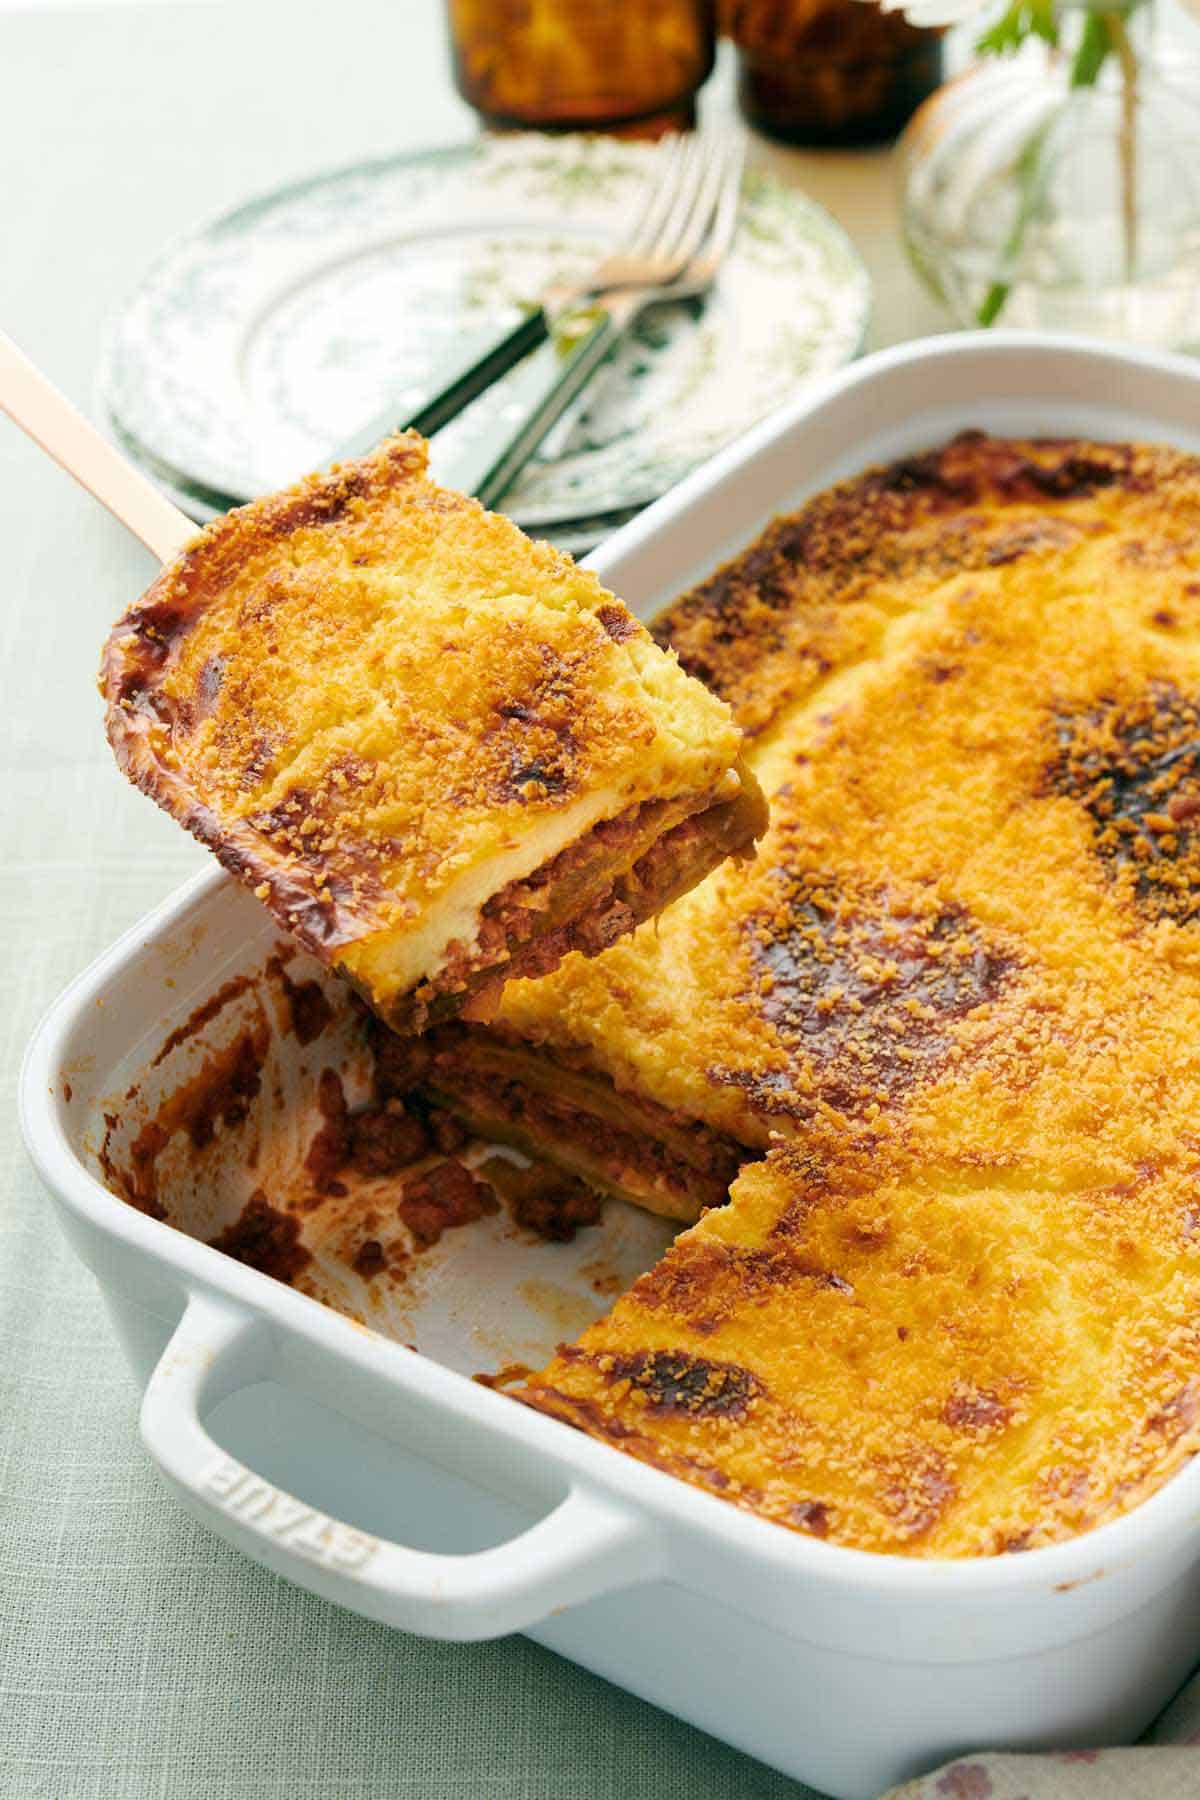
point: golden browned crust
(817, 590)
(380, 705)
(955, 1311)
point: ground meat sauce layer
(630, 866)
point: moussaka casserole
(970, 684)
(443, 755)
(956, 1310)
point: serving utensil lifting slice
(430, 849)
(40, 409)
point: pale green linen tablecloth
(138, 1656)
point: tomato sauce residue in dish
(382, 1181)
(264, 1238)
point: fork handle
(540, 393)
(462, 381)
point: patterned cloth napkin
(1166, 1767)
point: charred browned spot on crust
(1177, 1415)
(259, 759)
(687, 1285)
(765, 627)
(533, 752)
(266, 1239)
(307, 827)
(1134, 766)
(587, 1415)
(584, 1414)
(617, 622)
(917, 1495)
(811, 1516)
(676, 1381)
(305, 821)
(322, 505)
(807, 1185)
(193, 708)
(974, 467)
(148, 636)
(537, 777)
(704, 1283)
(159, 626)
(1025, 539)
(208, 685)
(1079, 474)
(864, 989)
(975, 1409)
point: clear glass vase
(1029, 202)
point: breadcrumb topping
(956, 1310)
(378, 704)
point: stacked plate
(259, 343)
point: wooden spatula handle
(38, 407)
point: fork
(584, 336)
(666, 233)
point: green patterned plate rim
(257, 343)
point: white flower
(931, 14)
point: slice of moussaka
(956, 1310)
(443, 755)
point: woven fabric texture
(140, 1659)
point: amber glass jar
(830, 71)
(629, 66)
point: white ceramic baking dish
(390, 1482)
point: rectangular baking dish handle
(587, 1545)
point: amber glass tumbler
(830, 71)
(627, 66)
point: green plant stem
(1102, 33)
(1127, 141)
(1030, 163)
